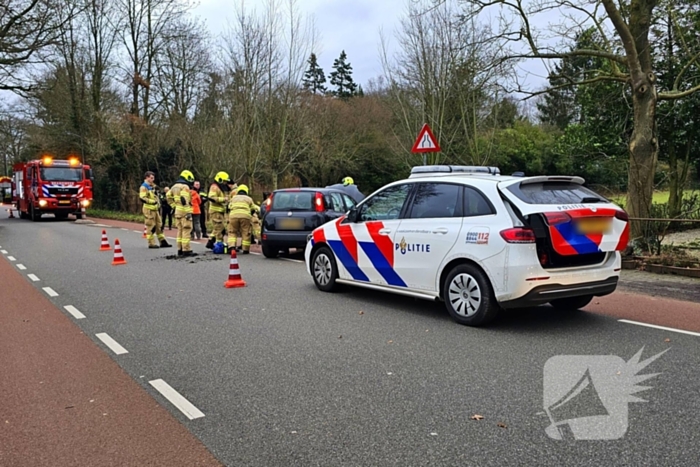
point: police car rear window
(292, 201)
(553, 193)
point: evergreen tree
(341, 78)
(314, 78)
(558, 106)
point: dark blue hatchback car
(291, 214)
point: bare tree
(144, 24)
(624, 27)
(442, 75)
(13, 137)
(182, 68)
(26, 27)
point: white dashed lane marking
(12, 258)
(4, 252)
(33, 277)
(175, 398)
(50, 292)
(21, 267)
(111, 343)
(663, 328)
(74, 311)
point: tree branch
(673, 95)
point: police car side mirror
(352, 214)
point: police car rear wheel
(468, 296)
(324, 269)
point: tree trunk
(644, 150)
(674, 205)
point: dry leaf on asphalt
(362, 312)
(477, 417)
(502, 425)
(667, 340)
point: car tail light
(622, 215)
(554, 218)
(319, 205)
(518, 235)
(268, 201)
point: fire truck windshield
(61, 174)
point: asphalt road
(287, 375)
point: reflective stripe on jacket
(240, 207)
(147, 195)
(180, 190)
(217, 199)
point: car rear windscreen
(293, 201)
(555, 193)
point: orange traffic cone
(234, 274)
(118, 256)
(145, 232)
(105, 243)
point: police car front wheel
(324, 269)
(468, 296)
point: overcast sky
(350, 25)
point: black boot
(187, 253)
(164, 244)
(179, 252)
(210, 243)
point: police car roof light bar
(427, 169)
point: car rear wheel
(468, 296)
(324, 269)
(33, 214)
(269, 252)
(571, 303)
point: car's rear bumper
(546, 293)
(292, 239)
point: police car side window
(475, 204)
(436, 200)
(385, 205)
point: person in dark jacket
(349, 188)
(166, 210)
(203, 216)
(263, 205)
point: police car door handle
(384, 231)
(440, 230)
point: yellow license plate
(594, 226)
(290, 224)
(64, 201)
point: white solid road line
(12, 258)
(51, 292)
(74, 311)
(176, 399)
(21, 267)
(111, 343)
(292, 260)
(33, 277)
(663, 328)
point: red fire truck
(48, 185)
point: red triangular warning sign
(426, 141)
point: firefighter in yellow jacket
(151, 211)
(218, 199)
(180, 200)
(239, 218)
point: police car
(477, 240)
